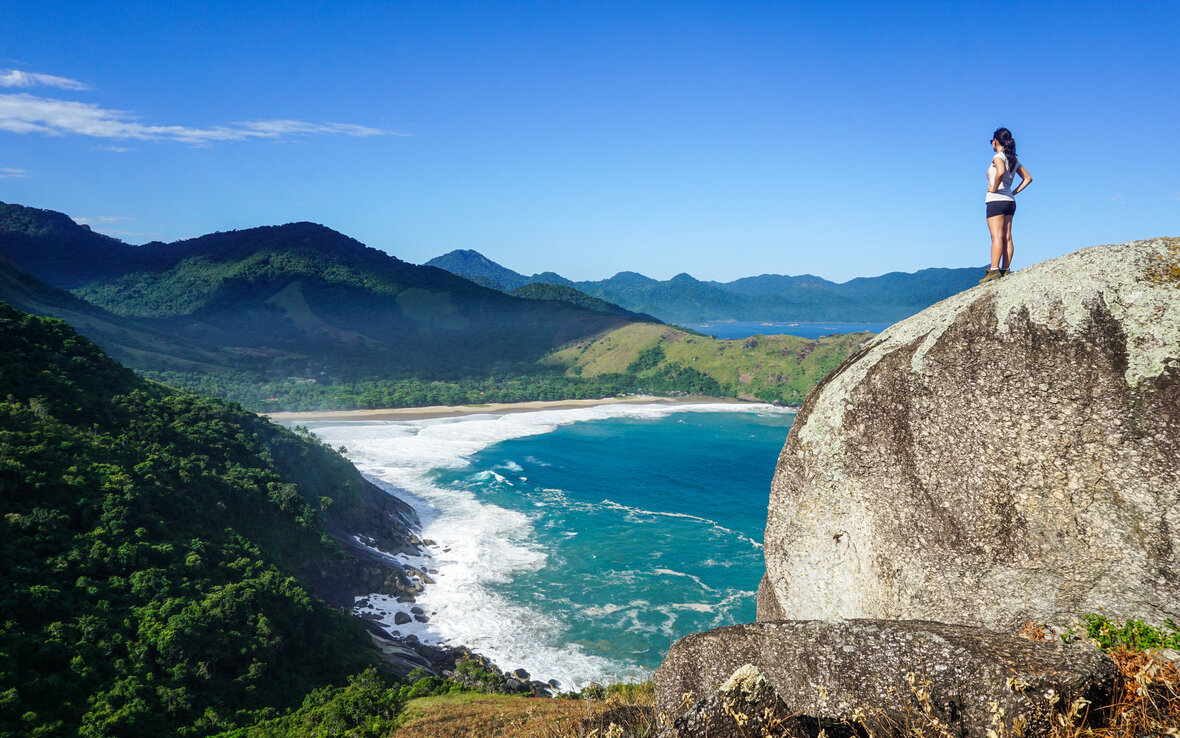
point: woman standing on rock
(1001, 201)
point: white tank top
(1004, 192)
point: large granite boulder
(890, 678)
(1009, 454)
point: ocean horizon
(577, 544)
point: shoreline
(492, 408)
(455, 537)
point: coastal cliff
(1009, 454)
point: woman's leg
(1006, 257)
(995, 224)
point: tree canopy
(150, 549)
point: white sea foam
(693, 606)
(598, 611)
(714, 562)
(477, 544)
(693, 577)
(636, 511)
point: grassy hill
(768, 368)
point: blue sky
(719, 139)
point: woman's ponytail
(1004, 136)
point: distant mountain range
(297, 299)
(300, 316)
(767, 297)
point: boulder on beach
(886, 677)
(1009, 454)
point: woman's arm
(1025, 178)
(1000, 165)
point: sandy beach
(495, 408)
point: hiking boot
(991, 274)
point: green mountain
(292, 300)
(77, 254)
(160, 550)
(768, 297)
(301, 317)
(564, 293)
(545, 286)
(475, 266)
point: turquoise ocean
(578, 543)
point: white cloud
(25, 113)
(280, 128)
(139, 235)
(103, 223)
(10, 173)
(101, 220)
(17, 78)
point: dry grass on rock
(1148, 703)
(626, 710)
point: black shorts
(1001, 207)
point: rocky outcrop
(376, 528)
(1009, 454)
(890, 678)
(745, 705)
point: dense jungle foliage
(150, 541)
(262, 394)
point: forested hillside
(292, 300)
(150, 550)
(300, 317)
(564, 293)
